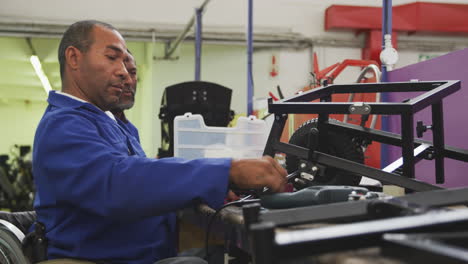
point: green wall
(19, 120)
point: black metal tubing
(335, 108)
(433, 94)
(270, 247)
(354, 167)
(427, 248)
(378, 88)
(393, 139)
(275, 133)
(262, 236)
(293, 244)
(357, 210)
(438, 139)
(407, 138)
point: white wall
(304, 16)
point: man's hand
(258, 173)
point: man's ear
(73, 57)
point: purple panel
(452, 66)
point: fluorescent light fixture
(40, 73)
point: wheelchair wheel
(10, 248)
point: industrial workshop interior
(234, 132)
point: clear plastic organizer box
(193, 139)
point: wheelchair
(17, 244)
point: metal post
(198, 42)
(386, 29)
(173, 46)
(407, 146)
(322, 127)
(262, 237)
(275, 134)
(438, 139)
(249, 58)
(250, 212)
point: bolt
(353, 108)
(307, 176)
(303, 165)
(366, 108)
(194, 92)
(314, 168)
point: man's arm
(75, 166)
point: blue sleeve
(75, 165)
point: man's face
(127, 98)
(101, 71)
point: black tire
(339, 145)
(10, 248)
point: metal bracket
(360, 108)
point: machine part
(339, 145)
(408, 213)
(357, 196)
(359, 210)
(307, 176)
(421, 128)
(393, 207)
(389, 55)
(313, 195)
(360, 108)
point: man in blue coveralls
(98, 196)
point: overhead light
(40, 73)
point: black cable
(210, 223)
(245, 200)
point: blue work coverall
(129, 127)
(98, 195)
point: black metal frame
(447, 248)
(273, 247)
(415, 212)
(410, 213)
(433, 94)
(355, 210)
